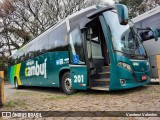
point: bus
(151, 19)
(94, 48)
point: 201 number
(79, 78)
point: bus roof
(146, 14)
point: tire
(16, 84)
(66, 84)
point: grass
(56, 97)
(148, 92)
(13, 104)
(24, 93)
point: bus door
(98, 56)
(78, 67)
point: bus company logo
(38, 69)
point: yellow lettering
(26, 72)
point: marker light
(125, 65)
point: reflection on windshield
(124, 38)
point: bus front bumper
(129, 86)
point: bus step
(104, 88)
(103, 69)
(102, 80)
(103, 75)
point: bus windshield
(124, 38)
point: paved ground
(146, 98)
(9, 90)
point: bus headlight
(125, 65)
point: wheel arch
(15, 77)
(62, 71)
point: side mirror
(155, 33)
(148, 33)
(122, 12)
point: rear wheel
(16, 84)
(67, 84)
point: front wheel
(67, 84)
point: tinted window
(51, 41)
(41, 45)
(57, 38)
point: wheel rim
(68, 84)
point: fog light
(123, 82)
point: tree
(137, 7)
(22, 20)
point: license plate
(144, 77)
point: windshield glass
(124, 38)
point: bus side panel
(23, 74)
(44, 69)
(40, 71)
(61, 61)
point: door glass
(93, 41)
(76, 47)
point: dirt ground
(145, 98)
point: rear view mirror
(148, 33)
(122, 12)
(155, 33)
